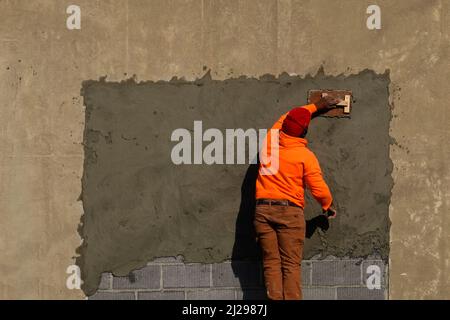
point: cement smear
(138, 205)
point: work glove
(331, 212)
(327, 102)
(331, 101)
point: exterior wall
(139, 205)
(171, 279)
(42, 66)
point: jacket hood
(287, 141)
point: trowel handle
(346, 102)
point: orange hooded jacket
(297, 167)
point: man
(279, 220)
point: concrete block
(102, 295)
(338, 272)
(236, 274)
(148, 277)
(187, 276)
(161, 295)
(211, 294)
(251, 294)
(383, 271)
(361, 293)
(105, 281)
(319, 294)
(306, 273)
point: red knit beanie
(296, 121)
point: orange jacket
(298, 167)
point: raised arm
(314, 181)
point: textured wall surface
(171, 279)
(43, 65)
(139, 205)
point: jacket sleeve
(313, 178)
(311, 108)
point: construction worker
(279, 221)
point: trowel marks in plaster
(138, 205)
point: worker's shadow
(246, 255)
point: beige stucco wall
(42, 117)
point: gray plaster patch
(139, 206)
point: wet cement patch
(138, 205)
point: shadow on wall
(245, 247)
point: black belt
(276, 202)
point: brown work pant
(281, 233)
